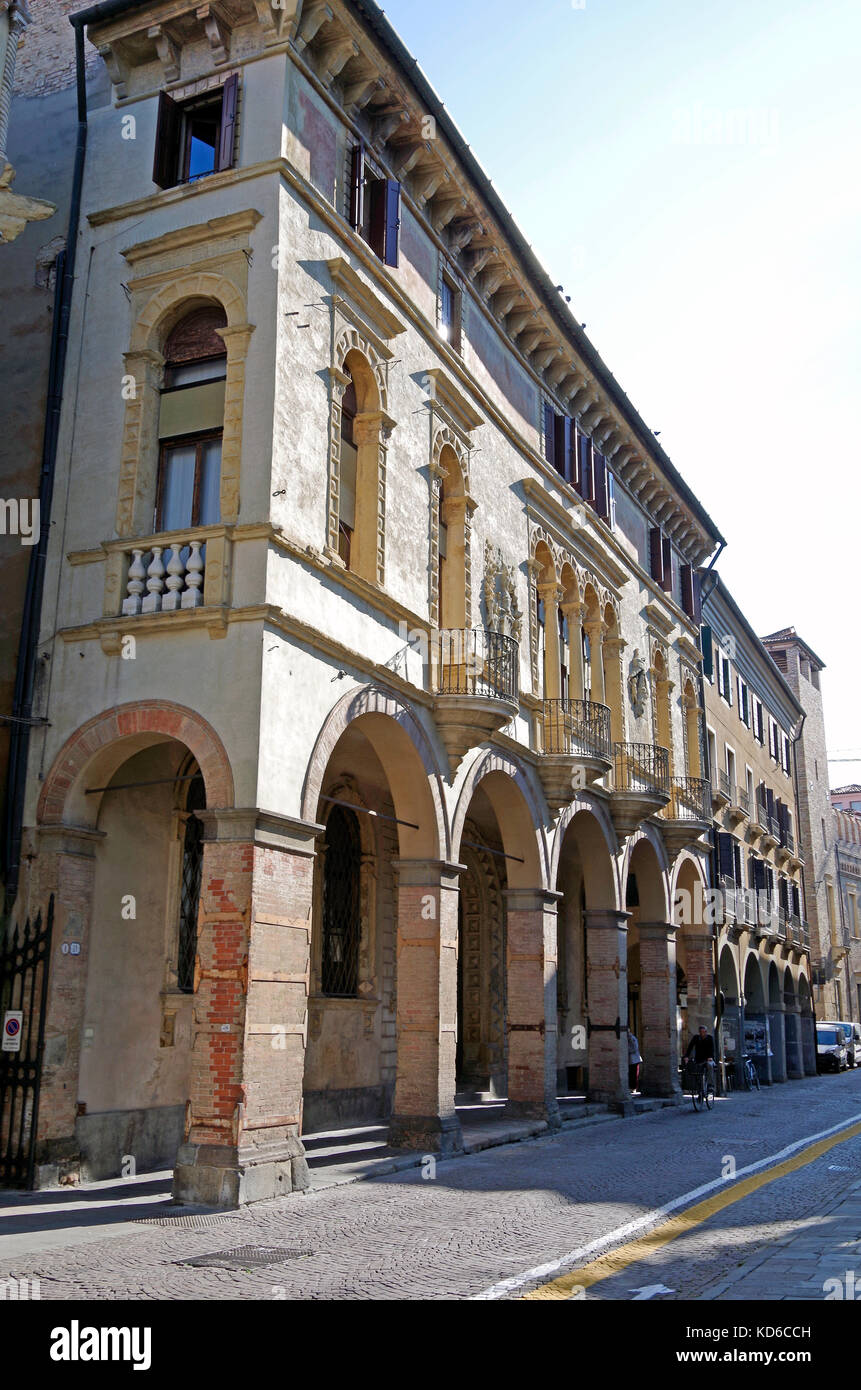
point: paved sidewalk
(800, 1265)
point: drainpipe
(712, 573)
(25, 676)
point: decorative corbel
(168, 51)
(117, 69)
(314, 16)
(333, 56)
(217, 31)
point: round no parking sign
(12, 1030)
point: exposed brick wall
(46, 59)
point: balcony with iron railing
(577, 747)
(474, 674)
(687, 815)
(720, 787)
(641, 784)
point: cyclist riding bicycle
(701, 1048)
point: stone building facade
(833, 987)
(847, 843)
(373, 770)
(753, 721)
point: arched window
(347, 505)
(192, 870)
(563, 654)
(342, 924)
(191, 422)
(359, 470)
(453, 503)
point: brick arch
(173, 298)
(407, 758)
(586, 801)
(517, 805)
(128, 728)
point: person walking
(634, 1061)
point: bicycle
(699, 1080)
(749, 1074)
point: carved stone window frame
(361, 323)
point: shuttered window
(374, 206)
(656, 554)
(197, 137)
(688, 587)
(706, 647)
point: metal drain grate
(245, 1257)
(194, 1223)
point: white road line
(651, 1218)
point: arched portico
(592, 990)
(694, 950)
(498, 803)
(776, 1024)
(652, 979)
(373, 775)
(756, 1032)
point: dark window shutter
(570, 452)
(558, 459)
(377, 215)
(611, 500)
(667, 548)
(587, 477)
(549, 431)
(227, 135)
(601, 506)
(726, 856)
(707, 650)
(357, 182)
(656, 554)
(393, 222)
(687, 575)
(736, 851)
(165, 169)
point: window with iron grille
(342, 925)
(192, 871)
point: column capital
(657, 929)
(421, 873)
(265, 828)
(531, 899)
(606, 919)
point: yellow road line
(617, 1260)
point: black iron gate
(24, 961)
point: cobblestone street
(506, 1214)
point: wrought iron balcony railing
(743, 800)
(475, 661)
(577, 727)
(690, 799)
(641, 767)
(720, 785)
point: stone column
(424, 1116)
(571, 614)
(595, 632)
(250, 1009)
(550, 676)
(532, 1012)
(699, 958)
(607, 1003)
(777, 1037)
(66, 867)
(659, 1042)
(792, 1035)
(808, 1044)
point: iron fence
(475, 661)
(577, 726)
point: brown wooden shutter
(587, 475)
(393, 222)
(357, 182)
(667, 580)
(377, 215)
(558, 459)
(549, 431)
(687, 574)
(570, 452)
(165, 169)
(227, 135)
(656, 554)
(601, 485)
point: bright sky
(689, 171)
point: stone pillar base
(433, 1134)
(664, 1090)
(533, 1110)
(219, 1175)
(619, 1101)
(58, 1163)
